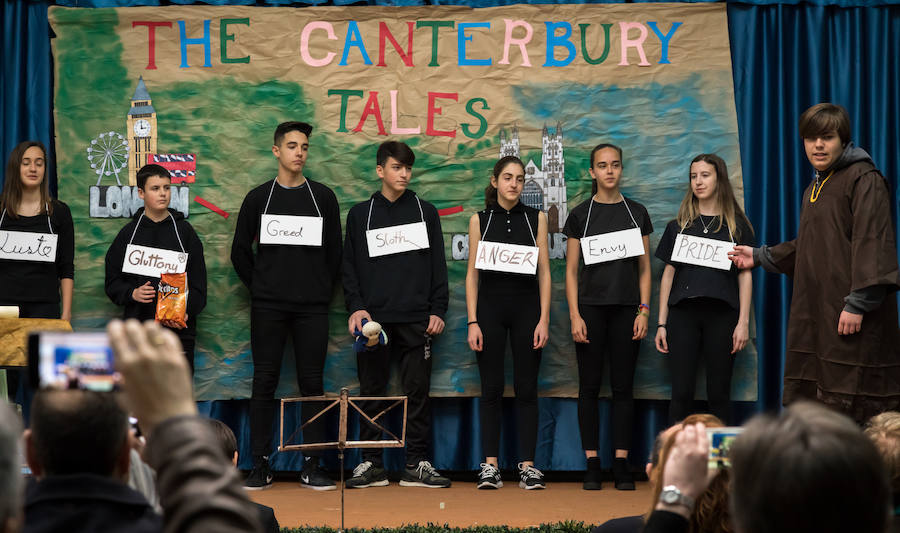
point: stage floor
(458, 506)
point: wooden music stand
(344, 402)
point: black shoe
(367, 475)
(260, 477)
(489, 477)
(593, 479)
(530, 478)
(313, 477)
(423, 475)
(622, 475)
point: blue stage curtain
(786, 58)
(26, 83)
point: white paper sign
(503, 257)
(701, 251)
(290, 230)
(147, 261)
(28, 246)
(611, 246)
(397, 239)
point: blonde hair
(730, 209)
(884, 431)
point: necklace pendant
(705, 230)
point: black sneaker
(622, 476)
(530, 478)
(367, 475)
(423, 475)
(593, 478)
(489, 477)
(260, 477)
(313, 477)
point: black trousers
(18, 377)
(701, 329)
(410, 347)
(514, 316)
(269, 329)
(609, 330)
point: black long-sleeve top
(287, 277)
(404, 287)
(120, 285)
(37, 281)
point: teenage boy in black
(407, 293)
(291, 283)
(157, 226)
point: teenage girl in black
(517, 305)
(704, 312)
(40, 288)
(609, 304)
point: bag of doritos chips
(171, 298)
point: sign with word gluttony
(28, 246)
(397, 239)
(148, 261)
(199, 90)
(701, 251)
(503, 257)
(611, 246)
(291, 230)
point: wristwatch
(670, 495)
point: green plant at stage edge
(560, 527)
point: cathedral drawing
(545, 185)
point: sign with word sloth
(28, 246)
(503, 257)
(611, 246)
(148, 261)
(397, 239)
(701, 251)
(291, 230)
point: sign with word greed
(28, 246)
(147, 261)
(503, 257)
(397, 239)
(290, 230)
(701, 251)
(611, 246)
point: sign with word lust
(397, 239)
(291, 230)
(503, 257)
(701, 251)
(28, 246)
(611, 246)
(147, 261)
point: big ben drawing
(141, 128)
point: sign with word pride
(701, 251)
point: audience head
(78, 432)
(226, 439)
(711, 513)
(808, 469)
(10, 469)
(884, 431)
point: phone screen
(67, 360)
(720, 441)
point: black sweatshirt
(120, 285)
(404, 287)
(287, 277)
(36, 281)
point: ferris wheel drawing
(108, 155)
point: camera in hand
(71, 360)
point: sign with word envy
(290, 230)
(611, 246)
(397, 239)
(701, 251)
(147, 261)
(28, 246)
(503, 257)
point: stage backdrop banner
(200, 90)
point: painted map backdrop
(201, 89)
